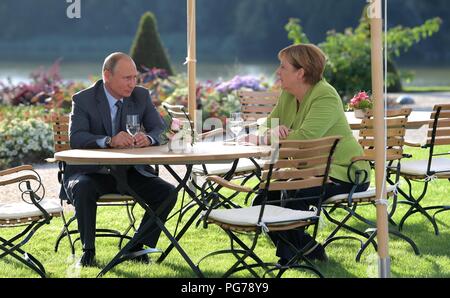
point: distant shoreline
(80, 71)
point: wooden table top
(202, 152)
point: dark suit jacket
(90, 120)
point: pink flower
(175, 125)
(361, 100)
(354, 101)
(362, 95)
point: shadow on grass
(182, 270)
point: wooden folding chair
(256, 106)
(395, 132)
(424, 171)
(61, 142)
(293, 165)
(32, 213)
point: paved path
(423, 101)
(49, 176)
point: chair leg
(415, 206)
(373, 233)
(299, 261)
(66, 232)
(442, 209)
(9, 248)
(241, 254)
(132, 219)
(248, 252)
(365, 245)
(342, 224)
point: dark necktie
(118, 119)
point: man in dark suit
(98, 120)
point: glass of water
(236, 124)
(133, 125)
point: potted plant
(360, 103)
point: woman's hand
(280, 131)
(248, 139)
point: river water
(20, 71)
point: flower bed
(25, 141)
(25, 109)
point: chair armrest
(50, 160)
(371, 158)
(217, 131)
(16, 170)
(248, 125)
(362, 158)
(18, 179)
(225, 183)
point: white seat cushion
(419, 167)
(357, 196)
(273, 215)
(11, 211)
(244, 165)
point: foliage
(46, 89)
(215, 99)
(21, 112)
(147, 49)
(349, 63)
(25, 141)
(295, 31)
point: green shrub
(349, 53)
(24, 141)
(147, 49)
(8, 112)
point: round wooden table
(118, 161)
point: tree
(349, 63)
(147, 49)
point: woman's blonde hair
(307, 56)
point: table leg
(120, 174)
(183, 184)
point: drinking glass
(236, 124)
(133, 125)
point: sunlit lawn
(434, 260)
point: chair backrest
(60, 132)
(257, 104)
(177, 112)
(439, 126)
(300, 164)
(395, 133)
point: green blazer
(321, 114)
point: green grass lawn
(426, 88)
(434, 260)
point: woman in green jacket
(310, 108)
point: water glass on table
(236, 124)
(133, 125)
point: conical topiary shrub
(147, 49)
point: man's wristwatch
(108, 142)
